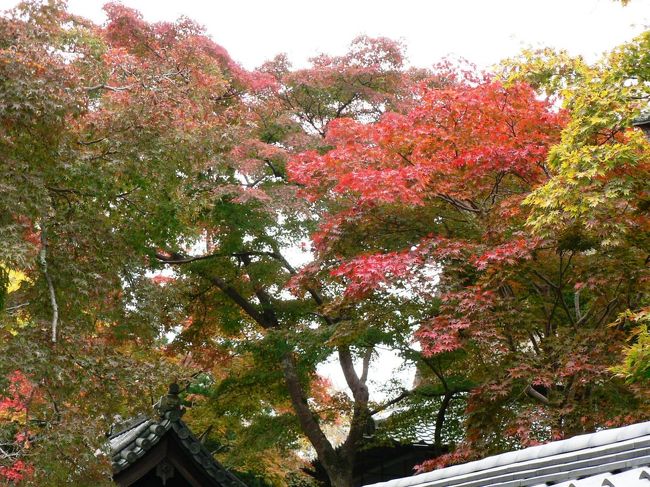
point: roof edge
(556, 448)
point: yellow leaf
(16, 278)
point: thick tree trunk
(337, 464)
(341, 477)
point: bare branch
(50, 284)
(356, 385)
(18, 306)
(531, 392)
(108, 87)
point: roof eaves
(132, 444)
(625, 447)
(203, 457)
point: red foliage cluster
(18, 393)
(12, 406)
(460, 455)
(18, 471)
(183, 40)
(449, 146)
(366, 273)
(509, 253)
(456, 146)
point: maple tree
(82, 173)
(479, 187)
(251, 217)
(13, 408)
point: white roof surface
(611, 458)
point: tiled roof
(415, 433)
(132, 441)
(614, 458)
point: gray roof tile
(139, 435)
(616, 458)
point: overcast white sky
(482, 31)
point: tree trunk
(341, 476)
(440, 420)
(337, 464)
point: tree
(249, 300)
(96, 125)
(155, 187)
(458, 190)
(601, 165)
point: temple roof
(615, 458)
(130, 442)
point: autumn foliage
(172, 214)
(14, 467)
(451, 190)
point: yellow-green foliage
(600, 167)
(636, 365)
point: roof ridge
(123, 426)
(140, 439)
(549, 473)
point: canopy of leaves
(154, 191)
(532, 218)
(94, 131)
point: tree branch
(264, 298)
(366, 365)
(308, 422)
(266, 319)
(108, 87)
(360, 413)
(388, 404)
(356, 385)
(531, 392)
(440, 420)
(248, 307)
(316, 296)
(176, 258)
(50, 285)
(459, 205)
